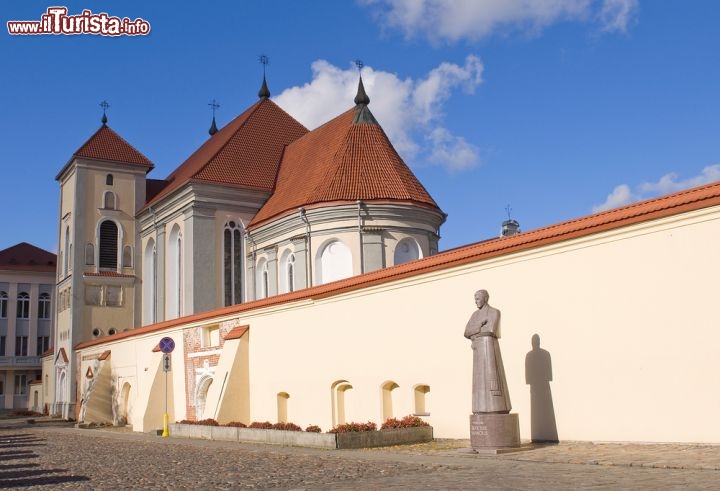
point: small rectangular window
(43, 344)
(2, 345)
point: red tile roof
(342, 160)
(666, 206)
(27, 257)
(107, 145)
(236, 332)
(245, 153)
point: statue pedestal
(490, 430)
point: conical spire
(213, 127)
(361, 97)
(104, 105)
(264, 92)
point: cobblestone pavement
(54, 457)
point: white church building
(298, 274)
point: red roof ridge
(107, 145)
(245, 152)
(341, 161)
(656, 208)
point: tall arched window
(108, 245)
(262, 279)
(174, 274)
(232, 263)
(3, 307)
(23, 305)
(287, 272)
(149, 282)
(407, 250)
(44, 306)
(335, 262)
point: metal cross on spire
(264, 61)
(104, 105)
(508, 210)
(359, 64)
(214, 104)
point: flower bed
(350, 435)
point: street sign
(167, 345)
(166, 362)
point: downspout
(154, 272)
(360, 237)
(308, 247)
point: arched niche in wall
(335, 262)
(407, 250)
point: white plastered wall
(628, 317)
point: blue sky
(555, 107)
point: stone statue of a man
(489, 392)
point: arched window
(23, 305)
(127, 261)
(108, 245)
(109, 200)
(262, 280)
(232, 263)
(387, 403)
(89, 254)
(282, 404)
(174, 272)
(109, 180)
(44, 306)
(407, 250)
(3, 307)
(335, 262)
(287, 274)
(421, 406)
(149, 281)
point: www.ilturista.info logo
(57, 21)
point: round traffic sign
(167, 345)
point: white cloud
(452, 20)
(410, 111)
(616, 14)
(622, 195)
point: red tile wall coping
(674, 204)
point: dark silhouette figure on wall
(538, 374)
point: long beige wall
(628, 317)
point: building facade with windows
(263, 207)
(27, 286)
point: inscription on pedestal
(494, 431)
